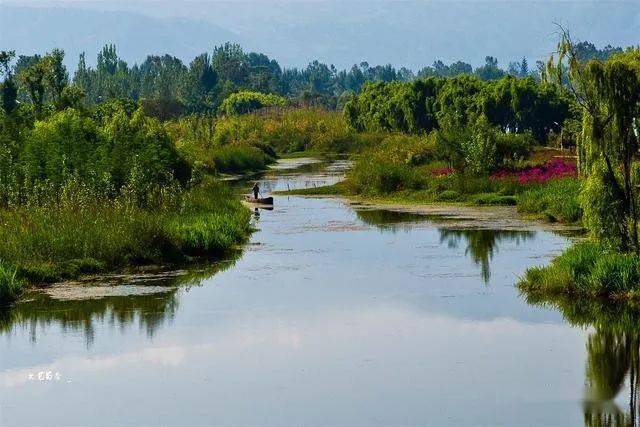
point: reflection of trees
(388, 220)
(613, 356)
(38, 311)
(482, 244)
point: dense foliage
(87, 188)
(170, 87)
(452, 105)
(247, 102)
(608, 93)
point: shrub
(390, 166)
(513, 147)
(283, 131)
(237, 158)
(246, 102)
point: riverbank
(586, 270)
(552, 202)
(79, 235)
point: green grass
(79, 234)
(11, 285)
(238, 158)
(493, 199)
(586, 269)
(325, 190)
(556, 200)
(406, 168)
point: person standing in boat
(256, 190)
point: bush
(246, 102)
(513, 147)
(238, 158)
(390, 166)
(106, 155)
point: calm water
(329, 317)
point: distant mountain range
(403, 33)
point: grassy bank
(586, 269)
(406, 169)
(81, 233)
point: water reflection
(613, 357)
(390, 220)
(481, 244)
(40, 312)
(150, 302)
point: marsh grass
(493, 199)
(238, 158)
(556, 200)
(11, 285)
(588, 269)
(324, 190)
(82, 233)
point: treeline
(169, 87)
(472, 123)
(516, 105)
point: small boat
(259, 200)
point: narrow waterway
(332, 315)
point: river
(332, 315)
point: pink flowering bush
(553, 169)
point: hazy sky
(404, 33)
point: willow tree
(609, 94)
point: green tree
(230, 63)
(199, 83)
(490, 70)
(33, 78)
(8, 88)
(609, 94)
(57, 77)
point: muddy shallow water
(333, 315)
